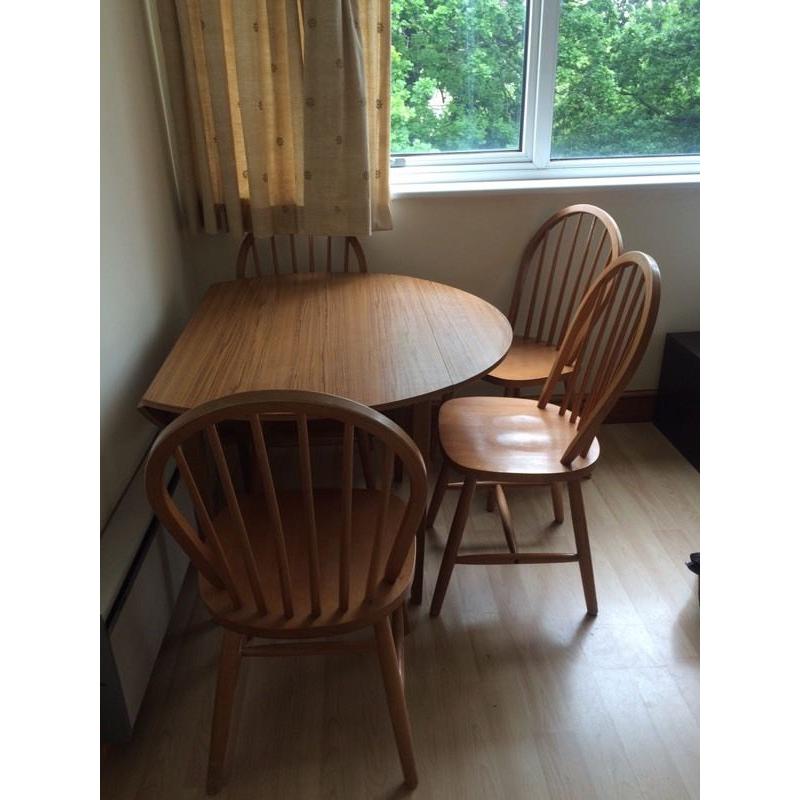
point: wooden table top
(383, 340)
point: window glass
(457, 75)
(628, 79)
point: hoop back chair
(306, 564)
(330, 254)
(507, 440)
(322, 254)
(556, 269)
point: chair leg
(421, 428)
(438, 494)
(395, 698)
(399, 635)
(453, 543)
(227, 678)
(366, 462)
(491, 503)
(558, 502)
(582, 545)
(437, 442)
(505, 518)
(419, 566)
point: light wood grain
(604, 353)
(317, 253)
(512, 692)
(556, 269)
(382, 340)
(527, 363)
(509, 438)
(307, 564)
(294, 563)
(227, 677)
(279, 254)
(512, 440)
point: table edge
(153, 410)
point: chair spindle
(308, 501)
(207, 525)
(347, 517)
(387, 471)
(535, 291)
(271, 499)
(576, 289)
(550, 278)
(236, 514)
(274, 249)
(568, 269)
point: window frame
(532, 161)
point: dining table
(384, 340)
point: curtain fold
(279, 113)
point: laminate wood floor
(513, 692)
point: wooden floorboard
(513, 692)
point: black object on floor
(694, 563)
(678, 402)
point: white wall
(475, 241)
(145, 286)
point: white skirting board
(141, 572)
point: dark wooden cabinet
(678, 401)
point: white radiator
(141, 572)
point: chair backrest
(605, 343)
(557, 267)
(284, 254)
(214, 548)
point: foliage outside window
(457, 74)
(602, 79)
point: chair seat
(510, 439)
(328, 515)
(527, 363)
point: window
(458, 75)
(498, 89)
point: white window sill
(525, 185)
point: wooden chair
(557, 267)
(299, 567)
(329, 253)
(507, 440)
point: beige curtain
(279, 113)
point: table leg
(421, 427)
(419, 565)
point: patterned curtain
(279, 113)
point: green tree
(469, 54)
(627, 78)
